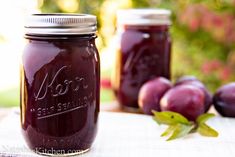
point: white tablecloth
(132, 135)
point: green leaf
(169, 118)
(179, 126)
(169, 130)
(180, 131)
(204, 117)
(206, 130)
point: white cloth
(132, 135)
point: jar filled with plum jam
(60, 83)
(144, 52)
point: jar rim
(144, 16)
(60, 23)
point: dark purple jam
(60, 87)
(145, 53)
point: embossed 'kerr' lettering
(61, 88)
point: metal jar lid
(144, 17)
(58, 24)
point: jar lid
(58, 24)
(144, 17)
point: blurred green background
(203, 33)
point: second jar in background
(144, 52)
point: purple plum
(224, 100)
(185, 79)
(187, 100)
(191, 80)
(150, 94)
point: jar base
(65, 154)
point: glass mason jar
(144, 52)
(60, 83)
